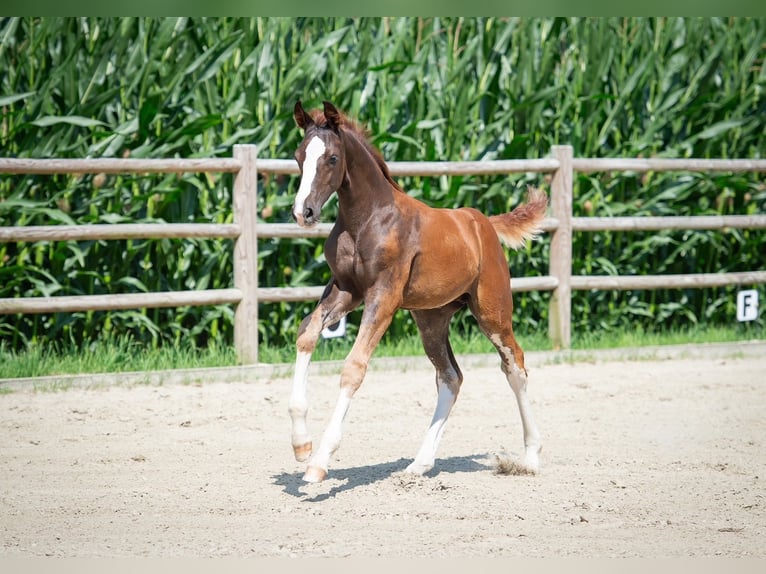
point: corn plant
(428, 89)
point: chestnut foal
(391, 251)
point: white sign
(747, 305)
(337, 330)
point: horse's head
(321, 160)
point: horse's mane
(356, 129)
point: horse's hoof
(532, 459)
(314, 474)
(302, 451)
(418, 469)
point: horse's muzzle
(306, 219)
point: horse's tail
(524, 222)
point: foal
(391, 251)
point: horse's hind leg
(434, 331)
(512, 358)
(334, 305)
(492, 308)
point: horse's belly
(432, 286)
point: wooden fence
(246, 294)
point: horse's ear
(301, 116)
(332, 115)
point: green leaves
(8, 100)
(719, 128)
(47, 121)
(427, 89)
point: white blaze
(314, 151)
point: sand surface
(645, 458)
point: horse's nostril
(308, 213)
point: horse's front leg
(377, 316)
(334, 305)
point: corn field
(428, 89)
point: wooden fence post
(245, 198)
(560, 311)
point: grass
(692, 335)
(108, 356)
(126, 355)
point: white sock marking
(298, 404)
(506, 352)
(314, 151)
(333, 433)
(424, 460)
(518, 382)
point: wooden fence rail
(246, 294)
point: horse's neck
(366, 190)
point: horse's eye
(333, 159)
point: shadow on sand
(343, 479)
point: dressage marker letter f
(747, 305)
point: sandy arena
(653, 454)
